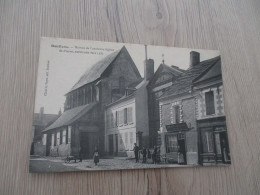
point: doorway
(182, 150)
(111, 144)
(88, 143)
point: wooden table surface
(231, 26)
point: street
(44, 165)
(58, 165)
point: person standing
(136, 151)
(144, 154)
(96, 156)
(80, 154)
(154, 155)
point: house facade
(127, 120)
(80, 129)
(188, 123)
(210, 115)
(162, 79)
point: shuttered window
(125, 116)
(209, 100)
(129, 115)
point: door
(111, 144)
(224, 147)
(116, 136)
(84, 145)
(182, 150)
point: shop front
(213, 142)
(175, 143)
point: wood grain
(231, 26)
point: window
(69, 134)
(172, 143)
(129, 115)
(64, 136)
(207, 141)
(209, 100)
(55, 139)
(58, 138)
(177, 114)
(52, 139)
(120, 117)
(44, 138)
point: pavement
(52, 164)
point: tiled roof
(45, 119)
(96, 70)
(70, 116)
(174, 69)
(184, 82)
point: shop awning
(177, 127)
(70, 116)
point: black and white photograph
(104, 105)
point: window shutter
(125, 116)
(129, 115)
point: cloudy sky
(63, 61)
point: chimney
(194, 58)
(148, 67)
(149, 70)
(41, 113)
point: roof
(95, 71)
(176, 71)
(210, 73)
(70, 116)
(45, 119)
(184, 83)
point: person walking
(144, 154)
(136, 151)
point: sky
(63, 61)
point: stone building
(81, 127)
(181, 109)
(40, 121)
(210, 115)
(159, 82)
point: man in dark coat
(136, 151)
(154, 155)
(144, 154)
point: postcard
(103, 106)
